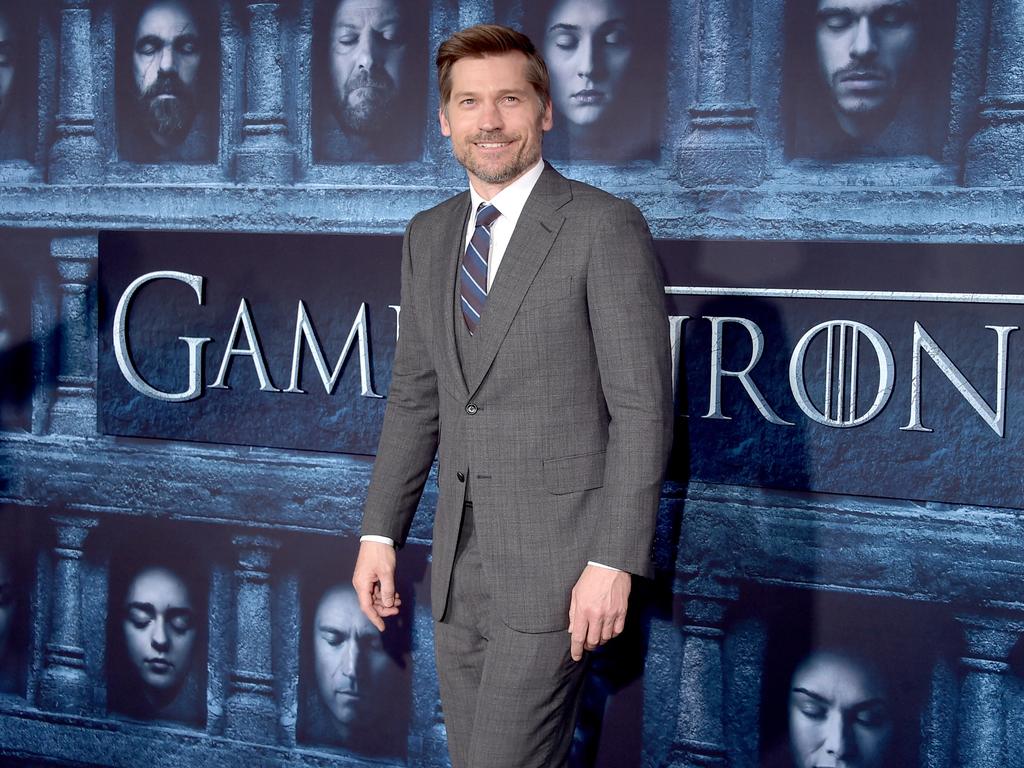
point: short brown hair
(490, 40)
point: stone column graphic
(74, 411)
(251, 709)
(995, 156)
(699, 738)
(982, 724)
(65, 685)
(723, 146)
(265, 154)
(76, 155)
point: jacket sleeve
(626, 302)
(408, 440)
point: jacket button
(471, 409)
(462, 477)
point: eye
(617, 36)
(348, 39)
(566, 41)
(332, 637)
(392, 34)
(836, 21)
(147, 47)
(812, 710)
(187, 45)
(467, 102)
(180, 621)
(511, 99)
(894, 16)
(872, 717)
(139, 618)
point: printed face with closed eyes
(839, 713)
(589, 49)
(159, 631)
(867, 51)
(166, 58)
(350, 662)
(368, 61)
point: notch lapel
(447, 272)
(531, 242)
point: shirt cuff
(602, 565)
(379, 539)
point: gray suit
(558, 418)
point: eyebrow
(824, 700)
(147, 607)
(813, 695)
(840, 9)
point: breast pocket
(569, 474)
(548, 294)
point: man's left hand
(597, 610)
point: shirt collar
(512, 199)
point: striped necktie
(473, 275)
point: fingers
(578, 638)
(374, 582)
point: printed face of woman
(159, 629)
(839, 713)
(588, 47)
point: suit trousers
(510, 698)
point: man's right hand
(374, 582)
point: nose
(348, 659)
(585, 58)
(367, 51)
(836, 738)
(166, 59)
(490, 117)
(159, 639)
(863, 44)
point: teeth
(493, 146)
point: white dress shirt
(510, 202)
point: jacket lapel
(531, 241)
(447, 273)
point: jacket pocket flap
(574, 473)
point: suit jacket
(562, 426)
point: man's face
(7, 603)
(350, 662)
(159, 629)
(588, 49)
(838, 714)
(165, 65)
(867, 51)
(7, 73)
(368, 52)
(494, 119)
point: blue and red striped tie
(473, 275)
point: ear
(446, 129)
(547, 119)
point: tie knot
(486, 214)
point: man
(868, 56)
(166, 78)
(534, 356)
(375, 95)
(357, 679)
(159, 630)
